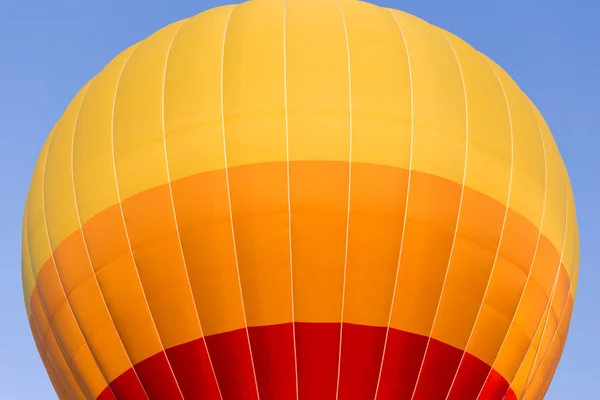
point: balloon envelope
(300, 200)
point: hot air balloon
(301, 199)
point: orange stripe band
(318, 212)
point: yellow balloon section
(224, 193)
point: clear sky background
(50, 49)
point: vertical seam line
(237, 266)
(349, 193)
(549, 306)
(462, 192)
(410, 160)
(61, 389)
(494, 263)
(547, 381)
(47, 354)
(35, 322)
(289, 201)
(548, 309)
(549, 377)
(164, 137)
(88, 253)
(529, 273)
(49, 242)
(112, 137)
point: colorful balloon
(300, 199)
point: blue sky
(51, 48)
